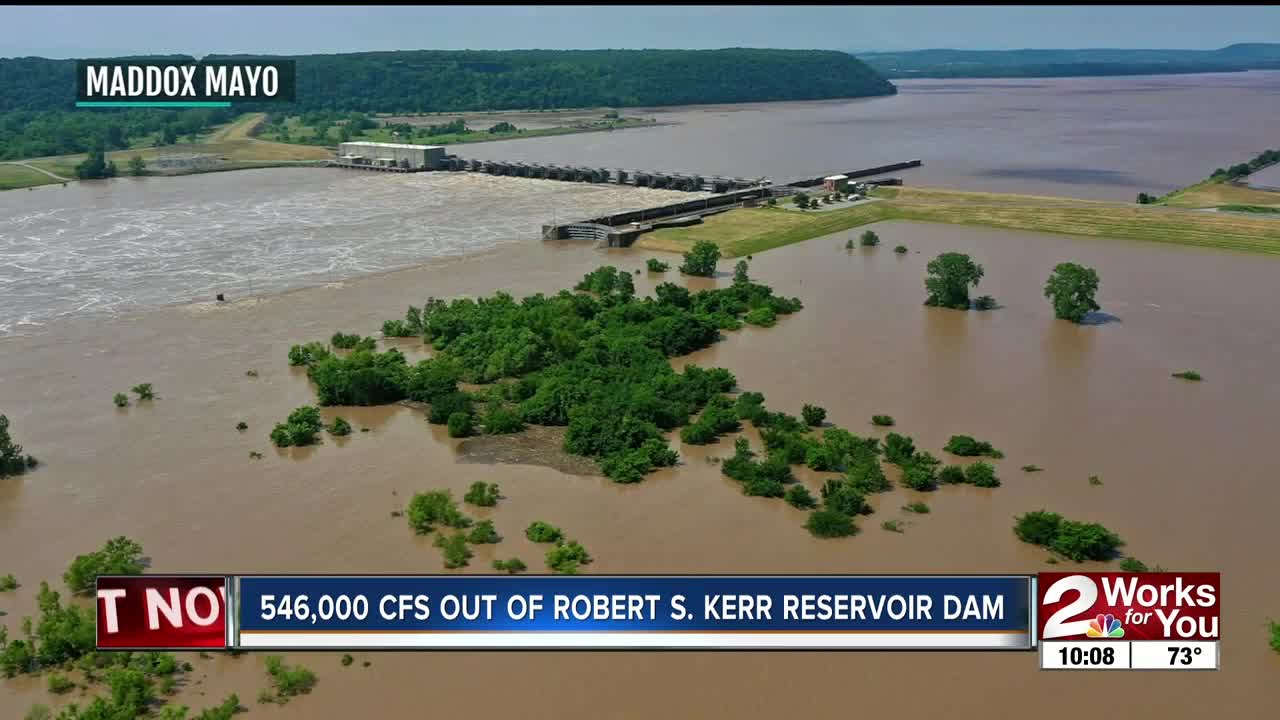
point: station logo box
(1129, 606)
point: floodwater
(1187, 480)
(138, 243)
(1097, 138)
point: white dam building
(391, 155)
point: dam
(618, 229)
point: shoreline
(1002, 211)
(745, 231)
(49, 178)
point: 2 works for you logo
(162, 83)
(1133, 606)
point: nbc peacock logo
(1105, 626)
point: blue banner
(633, 604)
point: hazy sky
(60, 31)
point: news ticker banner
(830, 612)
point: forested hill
(431, 80)
(1066, 63)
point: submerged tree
(96, 166)
(1071, 289)
(950, 275)
(119, 556)
(12, 461)
(701, 259)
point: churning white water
(128, 244)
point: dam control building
(391, 155)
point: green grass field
(748, 231)
(233, 144)
(745, 231)
(13, 177)
(1218, 193)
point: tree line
(946, 63)
(435, 80)
(37, 133)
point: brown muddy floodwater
(1188, 472)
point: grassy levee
(1215, 192)
(13, 177)
(233, 146)
(1097, 219)
(744, 231)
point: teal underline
(150, 104)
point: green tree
(1085, 541)
(740, 272)
(798, 496)
(898, 449)
(701, 259)
(950, 275)
(483, 534)
(1038, 527)
(12, 461)
(482, 494)
(542, 532)
(841, 496)
(830, 524)
(95, 165)
(131, 691)
(299, 429)
(1130, 564)
(920, 471)
(982, 474)
(119, 556)
(567, 556)
(511, 567)
(289, 680)
(461, 424)
(869, 239)
(455, 549)
(59, 684)
(426, 510)
(1071, 288)
(137, 166)
(813, 415)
